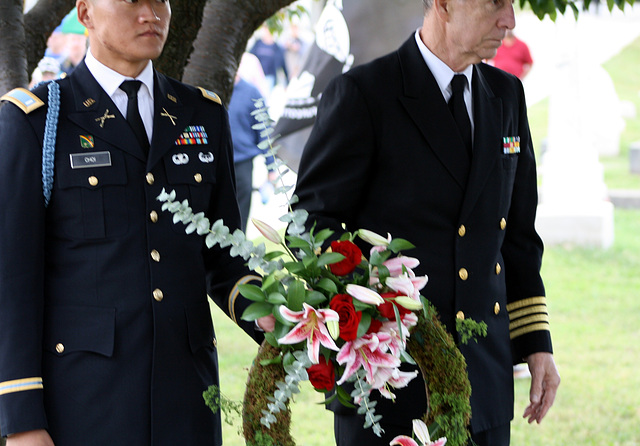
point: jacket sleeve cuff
(21, 406)
(529, 327)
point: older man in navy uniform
(107, 337)
(431, 145)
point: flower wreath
(339, 313)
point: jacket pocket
(91, 203)
(200, 326)
(72, 329)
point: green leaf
(268, 281)
(257, 310)
(315, 298)
(399, 244)
(329, 257)
(252, 292)
(364, 324)
(360, 306)
(273, 255)
(276, 299)
(296, 295)
(344, 397)
(323, 235)
(297, 242)
(271, 339)
(274, 360)
(327, 285)
(294, 267)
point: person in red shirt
(513, 56)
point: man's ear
(84, 16)
(441, 7)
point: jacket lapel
(487, 113)
(96, 113)
(171, 117)
(424, 102)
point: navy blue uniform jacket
(107, 336)
(385, 155)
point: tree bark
(39, 23)
(13, 61)
(186, 19)
(226, 28)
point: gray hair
(427, 4)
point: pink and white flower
(364, 294)
(311, 326)
(421, 431)
(371, 352)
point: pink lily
(391, 377)
(364, 294)
(311, 326)
(395, 264)
(421, 431)
(369, 352)
(408, 284)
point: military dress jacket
(385, 155)
(107, 335)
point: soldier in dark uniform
(391, 152)
(107, 337)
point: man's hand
(267, 323)
(30, 438)
(545, 380)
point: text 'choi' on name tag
(92, 159)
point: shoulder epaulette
(210, 95)
(23, 99)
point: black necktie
(133, 113)
(459, 109)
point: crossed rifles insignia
(104, 117)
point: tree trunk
(39, 23)
(226, 29)
(185, 21)
(13, 62)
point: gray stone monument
(574, 206)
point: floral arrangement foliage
(340, 317)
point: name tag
(90, 159)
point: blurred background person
(245, 142)
(513, 56)
(271, 56)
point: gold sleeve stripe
(529, 320)
(539, 300)
(235, 292)
(20, 385)
(513, 315)
(529, 329)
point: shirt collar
(110, 80)
(440, 70)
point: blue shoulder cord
(49, 141)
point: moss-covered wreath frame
(435, 352)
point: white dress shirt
(110, 82)
(444, 75)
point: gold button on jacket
(460, 315)
(153, 216)
(60, 347)
(150, 178)
(463, 273)
(158, 295)
(462, 231)
(155, 255)
(93, 181)
(496, 308)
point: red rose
(349, 317)
(375, 326)
(322, 375)
(352, 257)
(386, 309)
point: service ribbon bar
(510, 145)
(193, 134)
